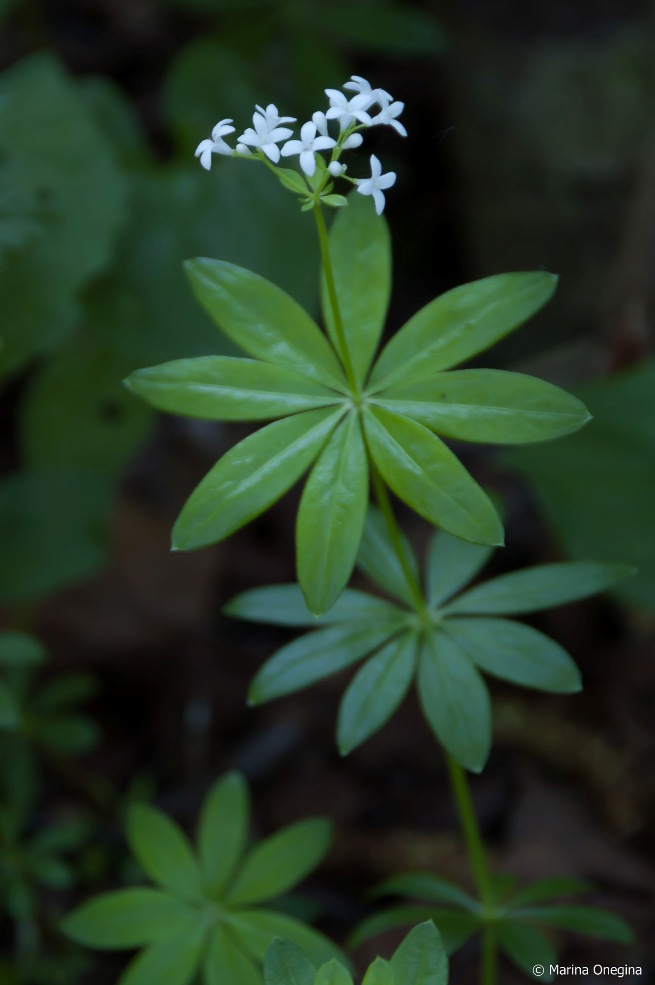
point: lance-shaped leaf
(127, 918)
(163, 851)
(318, 655)
(256, 929)
(252, 476)
(421, 885)
(376, 691)
(20, 649)
(451, 563)
(421, 958)
(548, 889)
(488, 405)
(363, 286)
(223, 388)
(225, 962)
(455, 701)
(173, 960)
(265, 321)
(222, 831)
(526, 947)
(331, 517)
(280, 861)
(541, 587)
(284, 605)
(380, 973)
(424, 473)
(333, 973)
(515, 653)
(582, 920)
(460, 324)
(378, 559)
(455, 927)
(285, 964)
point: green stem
(344, 352)
(489, 967)
(395, 537)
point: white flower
(354, 140)
(266, 134)
(376, 184)
(345, 110)
(337, 169)
(387, 115)
(307, 146)
(216, 145)
(320, 120)
(358, 84)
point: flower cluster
(268, 140)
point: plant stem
(395, 536)
(489, 966)
(344, 352)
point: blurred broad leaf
(390, 28)
(72, 186)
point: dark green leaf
(284, 605)
(380, 973)
(452, 563)
(547, 889)
(526, 947)
(375, 692)
(127, 918)
(171, 961)
(455, 701)
(285, 964)
(515, 653)
(363, 287)
(62, 692)
(424, 473)
(292, 180)
(422, 886)
(456, 928)
(378, 559)
(459, 324)
(541, 587)
(52, 872)
(331, 517)
(257, 928)
(226, 962)
(227, 389)
(386, 27)
(421, 958)
(280, 861)
(222, 831)
(20, 649)
(263, 320)
(68, 735)
(488, 405)
(332, 973)
(10, 715)
(335, 201)
(251, 477)
(163, 851)
(317, 655)
(582, 920)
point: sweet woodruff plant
(356, 418)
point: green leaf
(68, 735)
(455, 701)
(75, 413)
(222, 831)
(292, 180)
(420, 885)
(62, 692)
(363, 287)
(335, 201)
(171, 961)
(526, 947)
(127, 918)
(380, 973)
(375, 692)
(284, 605)
(226, 962)
(378, 559)
(385, 27)
(317, 655)
(488, 405)
(251, 477)
(546, 889)
(541, 587)
(163, 851)
(459, 324)
(456, 928)
(424, 473)
(515, 653)
(72, 228)
(331, 517)
(451, 563)
(582, 920)
(20, 650)
(227, 389)
(256, 929)
(53, 530)
(332, 973)
(280, 861)
(10, 715)
(263, 320)
(421, 958)
(285, 964)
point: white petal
(378, 198)
(242, 149)
(292, 147)
(308, 132)
(399, 127)
(354, 140)
(272, 152)
(365, 186)
(386, 180)
(203, 145)
(308, 162)
(323, 143)
(376, 167)
(280, 133)
(320, 120)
